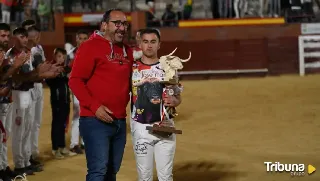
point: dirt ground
(230, 128)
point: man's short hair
(82, 32)
(139, 31)
(5, 27)
(106, 15)
(59, 50)
(28, 22)
(33, 28)
(150, 31)
(20, 31)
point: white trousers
(6, 16)
(75, 132)
(37, 103)
(240, 8)
(148, 147)
(6, 121)
(22, 115)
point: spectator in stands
(150, 2)
(93, 5)
(44, 14)
(6, 10)
(307, 8)
(67, 6)
(27, 9)
(84, 3)
(285, 7)
(240, 8)
(225, 8)
(169, 17)
(274, 10)
(215, 9)
(19, 12)
(34, 11)
(152, 21)
(187, 9)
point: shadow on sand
(204, 171)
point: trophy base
(163, 129)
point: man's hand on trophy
(171, 101)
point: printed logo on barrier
(293, 169)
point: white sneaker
(66, 152)
(57, 154)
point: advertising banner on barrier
(310, 28)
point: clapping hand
(48, 70)
(21, 59)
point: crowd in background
(261, 8)
(293, 10)
(92, 5)
(16, 11)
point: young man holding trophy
(149, 105)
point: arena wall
(271, 47)
(53, 39)
(230, 50)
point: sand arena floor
(230, 128)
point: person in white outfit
(22, 111)
(81, 36)
(147, 101)
(37, 57)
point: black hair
(5, 27)
(106, 15)
(151, 31)
(140, 30)
(20, 31)
(27, 22)
(84, 32)
(33, 28)
(59, 50)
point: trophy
(170, 65)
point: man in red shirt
(100, 79)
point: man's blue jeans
(104, 146)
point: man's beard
(5, 44)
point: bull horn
(172, 52)
(182, 60)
